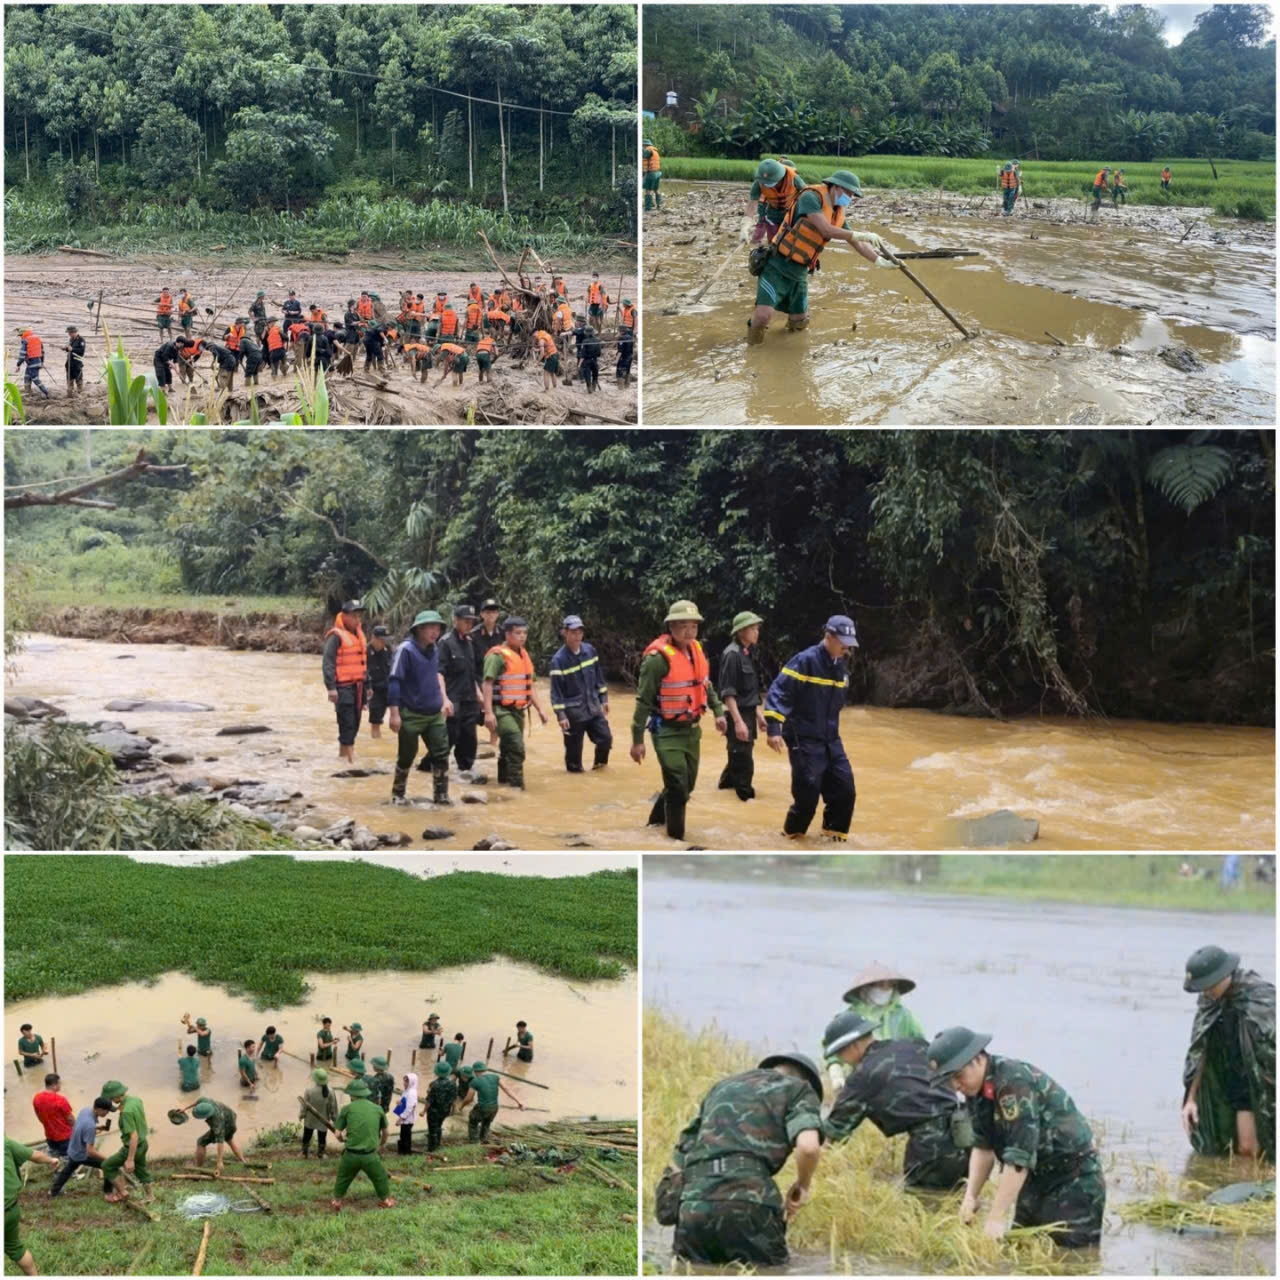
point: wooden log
(53, 1050)
(85, 253)
(132, 1268)
(1055, 338)
(131, 1203)
(204, 1248)
(940, 253)
(507, 1075)
(413, 1058)
(252, 1194)
(456, 1168)
(17, 1066)
(226, 1177)
(487, 1056)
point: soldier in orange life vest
(473, 320)
(673, 693)
(164, 312)
(345, 667)
(486, 354)
(508, 681)
(234, 332)
(453, 359)
(597, 298)
(550, 357)
(420, 359)
(776, 188)
(475, 293)
(815, 218)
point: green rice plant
(127, 396)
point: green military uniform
(466, 1079)
(441, 1096)
(429, 1033)
(132, 1119)
(364, 1123)
(382, 1084)
(677, 744)
(190, 1070)
(355, 1042)
(1233, 1049)
(204, 1038)
(221, 1121)
(486, 1108)
(15, 1156)
(270, 1047)
(1030, 1121)
(525, 1041)
(31, 1047)
(453, 1053)
(326, 1039)
(510, 723)
(247, 1066)
(319, 1104)
(730, 1207)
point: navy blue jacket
(577, 683)
(807, 697)
(414, 682)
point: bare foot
(388, 1203)
(335, 1205)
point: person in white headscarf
(405, 1110)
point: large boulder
(162, 704)
(27, 708)
(436, 833)
(492, 844)
(363, 840)
(1004, 827)
(127, 749)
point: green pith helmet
(465, 1072)
(355, 1026)
(849, 181)
(357, 1089)
(380, 1062)
(843, 1030)
(769, 173)
(683, 611)
(427, 615)
(478, 1066)
(262, 293)
(954, 1048)
(626, 302)
(648, 142)
(113, 1089)
(203, 1110)
(356, 1066)
(320, 1076)
(807, 1065)
(443, 1069)
(744, 619)
(202, 1022)
(1207, 967)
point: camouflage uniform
(440, 1099)
(382, 1087)
(1235, 1039)
(730, 1207)
(893, 1088)
(1029, 1120)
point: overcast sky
(1178, 18)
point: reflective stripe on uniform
(796, 675)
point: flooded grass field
(1073, 318)
(1092, 995)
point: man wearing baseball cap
(802, 709)
(488, 635)
(580, 697)
(460, 668)
(378, 664)
(345, 668)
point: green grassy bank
(1116, 880)
(271, 929)
(1193, 180)
(494, 1220)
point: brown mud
(1117, 294)
(51, 291)
(268, 632)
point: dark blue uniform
(579, 694)
(803, 705)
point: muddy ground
(1154, 327)
(50, 291)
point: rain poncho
(407, 1107)
(1252, 1001)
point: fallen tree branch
(341, 537)
(87, 253)
(73, 497)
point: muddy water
(1129, 785)
(585, 1047)
(1096, 288)
(1092, 995)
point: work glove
(867, 237)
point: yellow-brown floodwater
(1096, 288)
(584, 1042)
(1125, 785)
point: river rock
(242, 809)
(262, 793)
(492, 844)
(436, 833)
(176, 757)
(1181, 358)
(26, 708)
(235, 729)
(474, 797)
(275, 818)
(304, 832)
(339, 830)
(994, 829)
(125, 657)
(363, 839)
(127, 749)
(393, 839)
(163, 704)
(486, 753)
(358, 773)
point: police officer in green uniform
(1027, 1121)
(508, 682)
(362, 1126)
(674, 690)
(719, 1190)
(739, 685)
(486, 1085)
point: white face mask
(880, 994)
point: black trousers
(462, 726)
(404, 1146)
(321, 1135)
(68, 1167)
(740, 769)
(377, 704)
(597, 729)
(435, 1127)
(348, 709)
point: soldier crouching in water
(719, 1191)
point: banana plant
(127, 396)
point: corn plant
(13, 407)
(127, 396)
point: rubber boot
(675, 821)
(398, 784)
(658, 197)
(502, 767)
(440, 784)
(648, 200)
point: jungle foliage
(1053, 82)
(301, 119)
(1127, 572)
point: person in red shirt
(55, 1114)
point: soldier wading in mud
(1027, 1121)
(719, 1191)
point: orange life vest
(475, 293)
(784, 194)
(318, 316)
(800, 241)
(185, 304)
(628, 317)
(452, 349)
(562, 318)
(498, 317)
(416, 349)
(475, 313)
(351, 660)
(517, 303)
(546, 343)
(1008, 181)
(653, 161)
(1101, 179)
(391, 333)
(274, 339)
(364, 308)
(297, 330)
(234, 334)
(596, 294)
(438, 306)
(418, 308)
(448, 323)
(515, 684)
(487, 345)
(35, 348)
(164, 306)
(682, 696)
(1166, 174)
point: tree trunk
(26, 139)
(393, 157)
(357, 124)
(97, 158)
(502, 148)
(539, 144)
(613, 155)
(471, 169)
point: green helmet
(683, 611)
(626, 302)
(427, 615)
(203, 1110)
(320, 1076)
(807, 1065)
(744, 619)
(479, 1066)
(443, 1069)
(954, 1048)
(769, 173)
(648, 142)
(380, 1062)
(357, 1089)
(1207, 967)
(843, 1030)
(849, 181)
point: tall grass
(1193, 180)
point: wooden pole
(132, 1268)
(741, 240)
(97, 319)
(928, 293)
(508, 1047)
(522, 1079)
(388, 1057)
(198, 1269)
(413, 1058)
(313, 1059)
(17, 1066)
(53, 1050)
(489, 1052)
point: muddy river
(877, 351)
(54, 290)
(1092, 995)
(132, 1033)
(1127, 785)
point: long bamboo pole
(928, 293)
(198, 1269)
